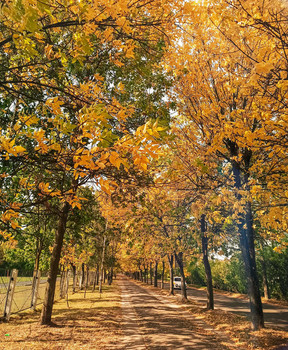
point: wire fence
(23, 290)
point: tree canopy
(146, 129)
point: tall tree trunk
(39, 248)
(210, 297)
(145, 274)
(82, 278)
(74, 278)
(265, 279)
(264, 272)
(156, 274)
(97, 275)
(39, 241)
(102, 265)
(151, 274)
(62, 281)
(86, 280)
(179, 259)
(54, 264)
(171, 271)
(246, 232)
(95, 278)
(163, 274)
(110, 276)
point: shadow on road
(163, 326)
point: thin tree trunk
(171, 271)
(264, 271)
(110, 276)
(38, 254)
(102, 265)
(210, 297)
(82, 278)
(95, 278)
(74, 278)
(246, 231)
(179, 259)
(151, 274)
(156, 274)
(37, 262)
(86, 280)
(54, 264)
(39, 242)
(97, 275)
(143, 274)
(62, 282)
(265, 280)
(163, 274)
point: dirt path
(150, 323)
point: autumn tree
(223, 66)
(65, 125)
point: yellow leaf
(115, 159)
(19, 149)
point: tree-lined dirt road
(154, 324)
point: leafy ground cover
(239, 329)
(82, 323)
(236, 327)
(94, 322)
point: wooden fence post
(10, 292)
(35, 287)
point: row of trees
(73, 86)
(223, 176)
(176, 111)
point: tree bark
(86, 280)
(110, 276)
(179, 260)
(204, 238)
(151, 274)
(102, 265)
(246, 232)
(264, 271)
(97, 275)
(163, 274)
(39, 248)
(74, 278)
(95, 278)
(156, 274)
(265, 280)
(62, 282)
(171, 285)
(82, 278)
(145, 274)
(54, 264)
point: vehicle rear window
(177, 279)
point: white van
(177, 282)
